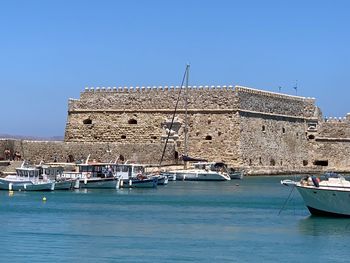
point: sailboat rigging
(185, 76)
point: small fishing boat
(133, 175)
(27, 178)
(139, 183)
(55, 173)
(326, 197)
(235, 174)
(98, 175)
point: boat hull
(200, 176)
(64, 185)
(12, 185)
(236, 175)
(136, 183)
(98, 183)
(162, 180)
(323, 201)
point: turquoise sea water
(181, 222)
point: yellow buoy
(44, 198)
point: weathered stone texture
(263, 132)
(48, 151)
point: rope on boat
(286, 201)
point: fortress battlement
(227, 98)
(242, 89)
(132, 89)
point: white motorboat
(27, 178)
(328, 197)
(202, 171)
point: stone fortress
(259, 131)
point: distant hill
(34, 138)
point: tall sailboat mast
(185, 77)
(186, 104)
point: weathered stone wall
(335, 128)
(272, 141)
(36, 151)
(139, 116)
(335, 152)
(154, 98)
(274, 103)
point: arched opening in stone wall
(123, 137)
(132, 121)
(263, 129)
(272, 162)
(219, 133)
(250, 162)
(209, 121)
(154, 137)
(208, 138)
(260, 162)
(121, 158)
(311, 137)
(87, 121)
(283, 130)
(305, 162)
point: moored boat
(98, 175)
(202, 171)
(328, 197)
(27, 178)
(134, 176)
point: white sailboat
(203, 171)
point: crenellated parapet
(275, 103)
(226, 97)
(155, 97)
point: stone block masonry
(262, 132)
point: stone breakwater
(262, 132)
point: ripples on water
(181, 222)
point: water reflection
(321, 226)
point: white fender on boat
(130, 182)
(121, 183)
(10, 186)
(118, 183)
(77, 184)
(85, 180)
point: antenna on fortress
(296, 87)
(279, 89)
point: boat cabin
(126, 171)
(102, 170)
(211, 166)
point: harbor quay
(258, 131)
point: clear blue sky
(51, 50)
